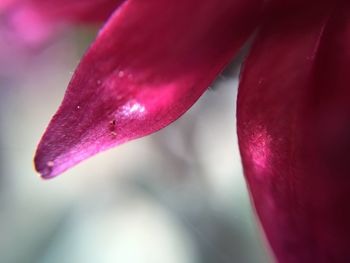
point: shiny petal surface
(294, 132)
(148, 65)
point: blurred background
(177, 196)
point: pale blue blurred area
(177, 196)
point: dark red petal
(294, 132)
(149, 64)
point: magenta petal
(294, 133)
(149, 64)
(32, 23)
(5, 4)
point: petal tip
(45, 169)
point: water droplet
(78, 107)
(50, 164)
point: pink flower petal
(149, 64)
(32, 23)
(25, 26)
(69, 10)
(4, 5)
(294, 132)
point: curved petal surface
(148, 65)
(294, 132)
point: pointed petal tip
(49, 161)
(44, 169)
(124, 98)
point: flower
(293, 119)
(149, 64)
(153, 59)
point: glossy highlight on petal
(148, 65)
(259, 148)
(295, 88)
